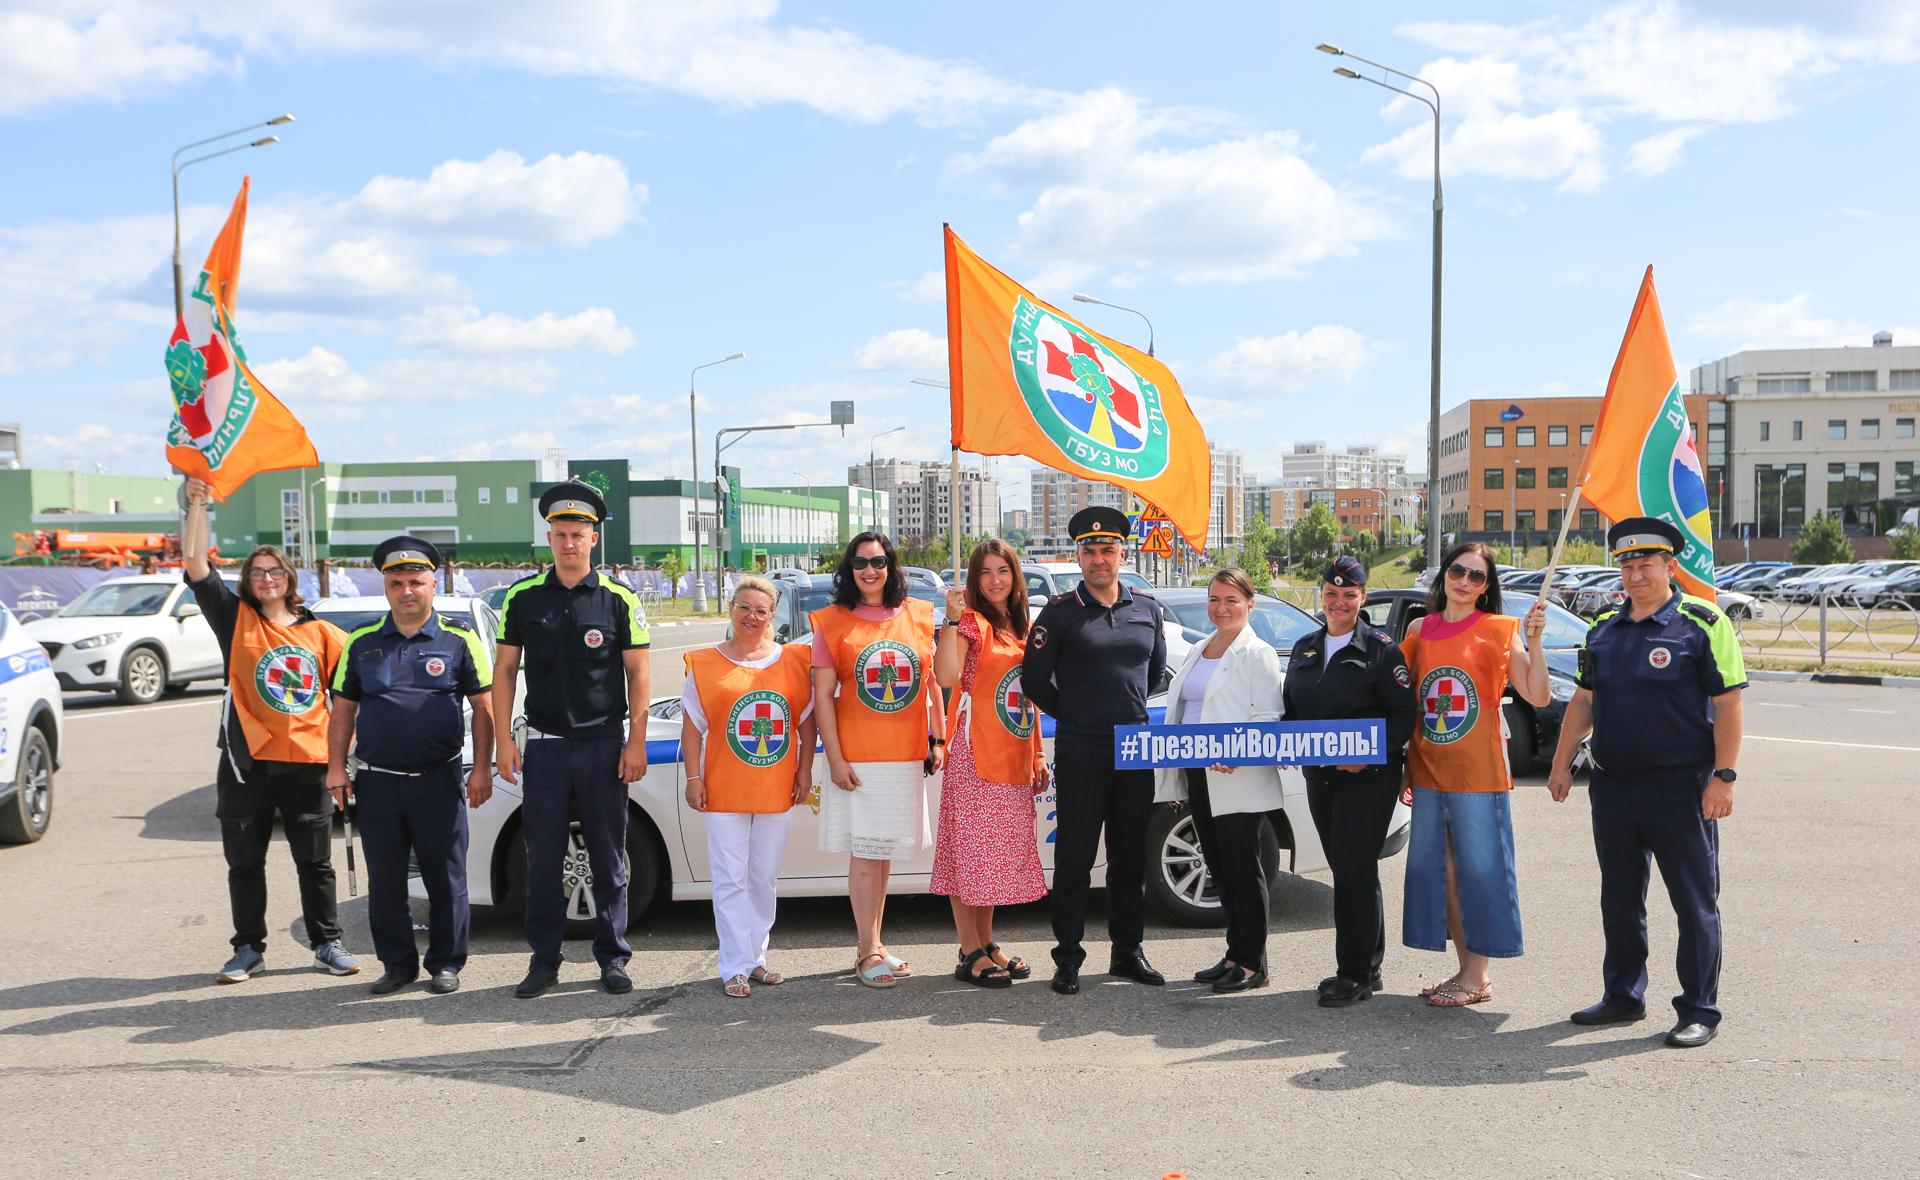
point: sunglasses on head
(1472, 576)
(862, 563)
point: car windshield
(118, 601)
(1135, 581)
(1564, 628)
(1279, 623)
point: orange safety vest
(1004, 724)
(753, 724)
(277, 680)
(881, 707)
(1457, 684)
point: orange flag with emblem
(226, 426)
(1029, 379)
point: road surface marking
(134, 710)
(1755, 737)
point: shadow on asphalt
(187, 816)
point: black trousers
(1231, 846)
(297, 793)
(1352, 813)
(1089, 794)
(567, 778)
(1638, 822)
(427, 815)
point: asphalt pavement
(120, 1057)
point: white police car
(667, 843)
(30, 726)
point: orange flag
(226, 426)
(1643, 460)
(1029, 379)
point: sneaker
(245, 962)
(333, 958)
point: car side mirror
(1037, 599)
(188, 610)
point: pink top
(823, 658)
(1437, 628)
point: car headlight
(93, 641)
(1561, 689)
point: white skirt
(886, 819)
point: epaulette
(1704, 612)
(454, 624)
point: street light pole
(1439, 205)
(1081, 298)
(179, 287)
(693, 415)
(1513, 514)
(806, 519)
(873, 492)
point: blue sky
(495, 229)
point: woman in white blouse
(1233, 676)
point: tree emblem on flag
(1014, 706)
(886, 676)
(1449, 705)
(287, 678)
(760, 728)
(1091, 404)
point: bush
(1823, 541)
(1906, 544)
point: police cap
(1644, 534)
(405, 553)
(1098, 524)
(1346, 570)
(574, 499)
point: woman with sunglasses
(986, 855)
(1460, 880)
(748, 775)
(273, 741)
(883, 728)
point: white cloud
(465, 330)
(1326, 353)
(902, 350)
(46, 61)
(1856, 214)
(1746, 322)
(493, 205)
(322, 385)
(1125, 189)
(1557, 145)
(1662, 152)
(930, 287)
(94, 442)
(1504, 206)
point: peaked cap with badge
(1346, 570)
(573, 499)
(1638, 535)
(406, 553)
(1099, 523)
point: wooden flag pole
(1553, 562)
(953, 510)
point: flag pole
(953, 510)
(1566, 519)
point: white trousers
(744, 852)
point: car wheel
(1178, 884)
(143, 676)
(1520, 744)
(24, 818)
(576, 877)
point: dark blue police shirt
(1091, 666)
(409, 688)
(1653, 682)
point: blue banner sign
(1251, 743)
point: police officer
(397, 693)
(1092, 657)
(1659, 689)
(585, 644)
(1349, 669)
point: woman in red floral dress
(985, 854)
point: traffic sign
(1159, 541)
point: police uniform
(1361, 674)
(408, 734)
(1090, 666)
(1653, 682)
(573, 641)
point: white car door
(192, 649)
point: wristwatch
(1725, 774)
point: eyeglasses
(272, 575)
(861, 563)
(1472, 577)
(751, 612)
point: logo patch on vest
(1449, 705)
(1659, 657)
(594, 637)
(287, 678)
(1402, 677)
(1013, 706)
(436, 666)
(886, 676)
(760, 728)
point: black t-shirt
(572, 643)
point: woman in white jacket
(1233, 676)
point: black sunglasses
(861, 563)
(1471, 576)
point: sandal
(878, 975)
(769, 978)
(1450, 981)
(898, 966)
(994, 976)
(738, 987)
(1015, 965)
(1459, 995)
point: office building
(920, 496)
(1356, 467)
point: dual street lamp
(693, 413)
(179, 165)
